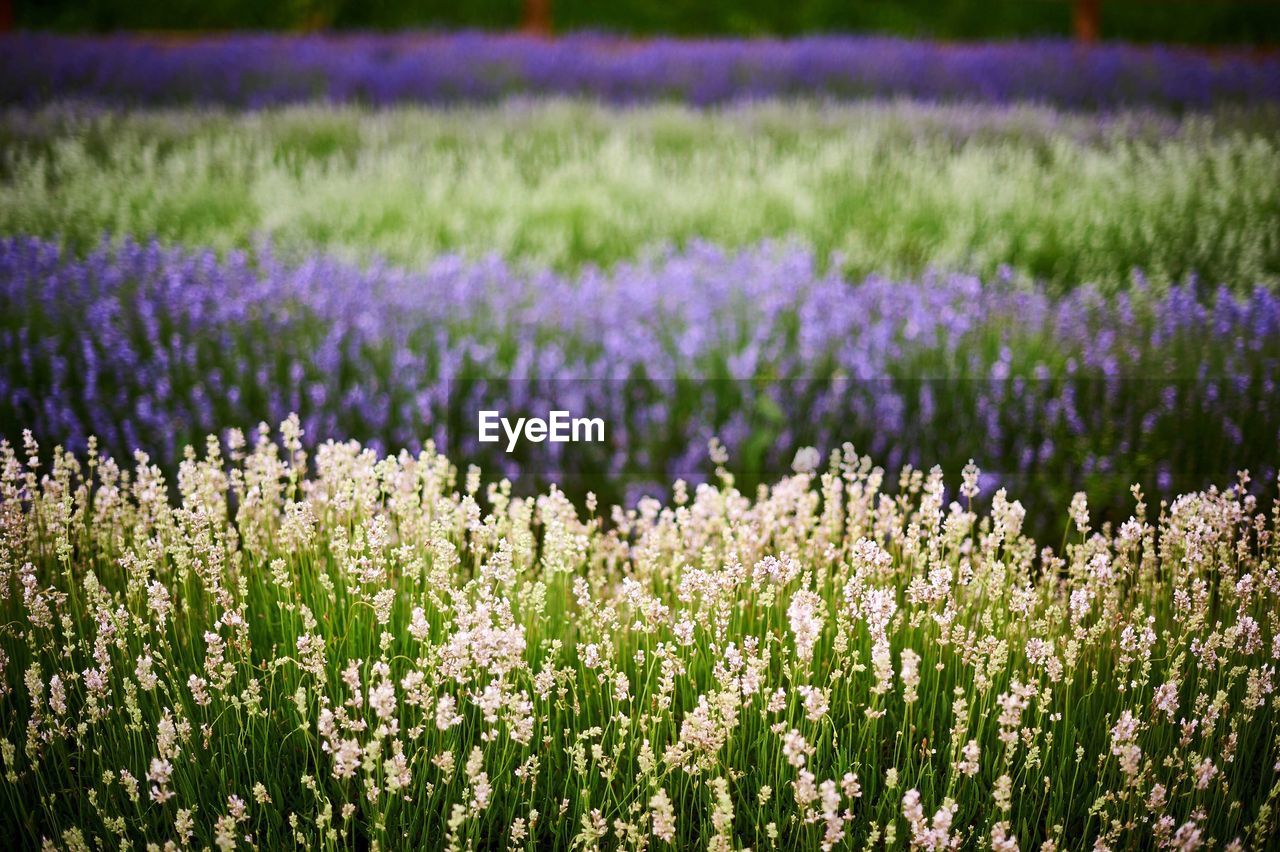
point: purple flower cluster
(154, 347)
(261, 70)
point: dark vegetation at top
(1186, 21)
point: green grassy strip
(890, 188)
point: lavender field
(934, 504)
(142, 346)
(1057, 198)
(443, 68)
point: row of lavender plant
(152, 347)
(367, 652)
(259, 70)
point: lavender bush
(893, 189)
(148, 347)
(261, 70)
(364, 652)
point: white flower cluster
(346, 651)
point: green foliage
(891, 188)
(1256, 21)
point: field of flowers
(144, 346)
(363, 655)
(798, 281)
(257, 71)
(1061, 198)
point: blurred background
(1241, 22)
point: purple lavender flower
(263, 70)
(155, 347)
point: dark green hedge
(1226, 21)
